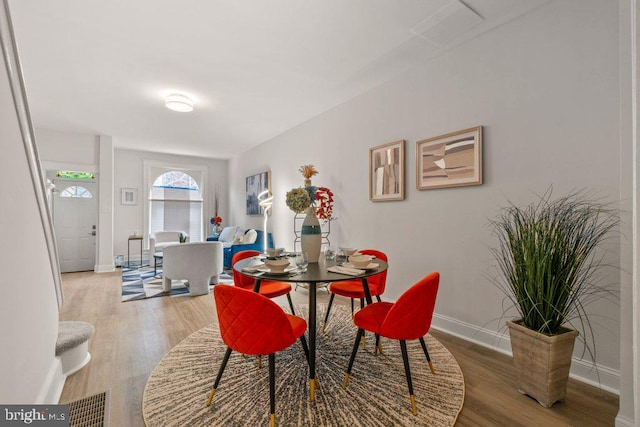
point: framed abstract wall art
(256, 184)
(450, 160)
(386, 172)
(129, 196)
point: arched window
(76, 191)
(175, 204)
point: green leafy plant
(182, 238)
(547, 258)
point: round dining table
(315, 274)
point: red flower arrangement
(324, 201)
(216, 220)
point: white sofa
(160, 240)
(199, 263)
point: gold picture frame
(451, 160)
(386, 172)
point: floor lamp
(265, 200)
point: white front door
(75, 218)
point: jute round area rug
(377, 394)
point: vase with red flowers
(316, 203)
(216, 227)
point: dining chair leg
(259, 361)
(272, 388)
(305, 347)
(352, 308)
(407, 372)
(353, 357)
(291, 304)
(377, 347)
(426, 353)
(364, 335)
(326, 316)
(220, 371)
(378, 298)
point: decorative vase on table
(311, 236)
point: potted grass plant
(547, 260)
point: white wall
(28, 308)
(68, 149)
(104, 256)
(546, 89)
(129, 174)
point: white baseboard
(468, 332)
(599, 376)
(624, 422)
(54, 382)
(104, 268)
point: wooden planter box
(542, 362)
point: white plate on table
(371, 266)
(286, 271)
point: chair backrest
(410, 317)
(241, 280)
(167, 236)
(192, 259)
(251, 323)
(380, 279)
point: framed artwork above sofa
(256, 184)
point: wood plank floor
(131, 338)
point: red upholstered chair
(408, 319)
(269, 289)
(241, 317)
(353, 288)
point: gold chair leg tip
(377, 350)
(312, 389)
(272, 421)
(433, 371)
(210, 399)
(413, 405)
(346, 380)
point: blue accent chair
(258, 245)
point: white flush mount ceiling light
(178, 102)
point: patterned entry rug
(140, 283)
(377, 394)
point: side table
(129, 249)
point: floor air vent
(92, 411)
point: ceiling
(254, 68)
